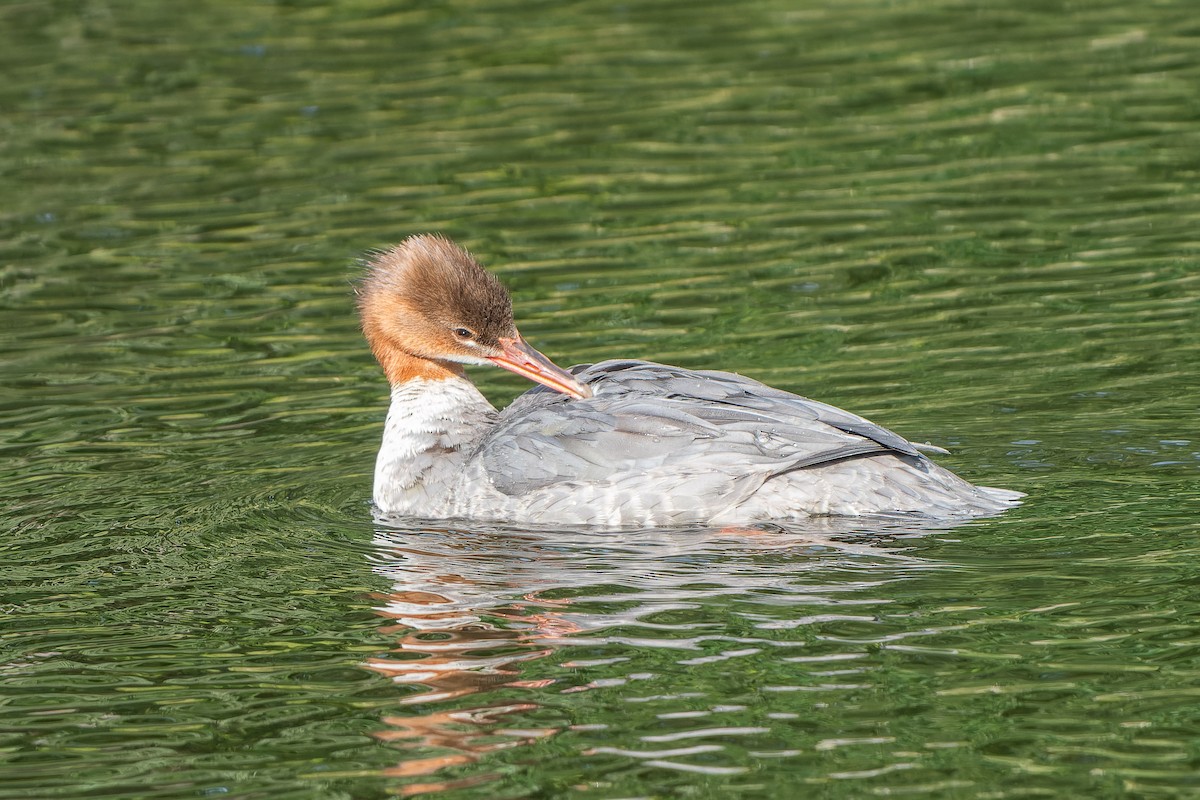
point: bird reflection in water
(457, 636)
(472, 610)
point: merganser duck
(617, 444)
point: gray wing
(647, 418)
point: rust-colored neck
(386, 321)
(399, 365)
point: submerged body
(619, 443)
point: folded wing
(715, 431)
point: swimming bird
(621, 443)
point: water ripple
(976, 228)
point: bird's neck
(400, 366)
(431, 425)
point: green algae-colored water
(975, 223)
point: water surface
(972, 223)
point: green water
(975, 223)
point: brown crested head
(428, 298)
(427, 307)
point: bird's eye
(464, 333)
